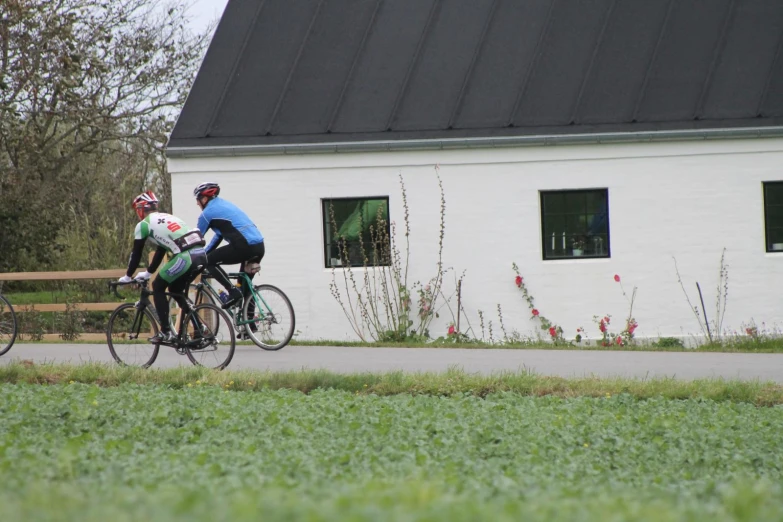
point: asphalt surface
(566, 363)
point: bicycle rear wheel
(9, 326)
(274, 323)
(128, 336)
(212, 344)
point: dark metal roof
(316, 71)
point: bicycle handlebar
(114, 284)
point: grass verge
(738, 345)
(453, 382)
(733, 346)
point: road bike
(205, 334)
(9, 326)
(265, 315)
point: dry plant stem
(694, 309)
(502, 326)
(355, 322)
(438, 279)
(723, 292)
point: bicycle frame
(145, 302)
(238, 321)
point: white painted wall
(683, 199)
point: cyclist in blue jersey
(229, 222)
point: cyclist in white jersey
(172, 236)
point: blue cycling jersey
(228, 222)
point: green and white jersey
(162, 229)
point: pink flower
(451, 329)
(619, 340)
(518, 280)
(535, 312)
(552, 331)
(617, 278)
(606, 320)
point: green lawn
(201, 452)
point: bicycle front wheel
(128, 336)
(273, 324)
(9, 326)
(210, 339)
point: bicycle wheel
(128, 336)
(274, 323)
(9, 326)
(200, 295)
(213, 344)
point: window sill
(330, 268)
(576, 258)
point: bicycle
(201, 332)
(9, 326)
(266, 316)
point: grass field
(195, 445)
(738, 345)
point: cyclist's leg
(180, 285)
(225, 255)
(258, 254)
(168, 275)
(228, 255)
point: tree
(89, 90)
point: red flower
(552, 331)
(619, 340)
(535, 312)
(602, 326)
(606, 320)
(451, 330)
(518, 280)
(617, 278)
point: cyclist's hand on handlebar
(143, 277)
(124, 280)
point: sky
(202, 12)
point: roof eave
(474, 143)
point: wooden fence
(61, 307)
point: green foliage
(669, 342)
(89, 90)
(80, 452)
(70, 323)
(32, 325)
(451, 383)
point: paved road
(681, 365)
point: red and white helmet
(145, 201)
(207, 189)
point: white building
(651, 131)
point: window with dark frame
(773, 215)
(575, 223)
(356, 231)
